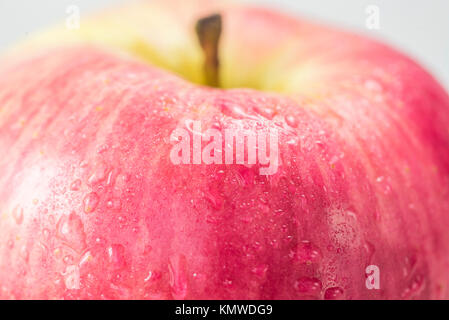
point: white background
(418, 27)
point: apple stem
(208, 30)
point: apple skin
(92, 207)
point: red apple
(91, 205)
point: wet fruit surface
(92, 207)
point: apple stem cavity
(208, 30)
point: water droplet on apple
(235, 111)
(370, 249)
(57, 253)
(309, 286)
(70, 229)
(90, 202)
(75, 185)
(260, 271)
(291, 121)
(85, 259)
(307, 253)
(334, 293)
(373, 85)
(68, 259)
(72, 277)
(320, 144)
(384, 184)
(98, 175)
(214, 199)
(17, 214)
(120, 182)
(83, 164)
(122, 221)
(46, 234)
(292, 142)
(288, 239)
(227, 283)
(414, 288)
(263, 208)
(178, 277)
(153, 276)
(114, 204)
(24, 253)
(333, 161)
(10, 244)
(265, 112)
(116, 256)
(103, 148)
(410, 262)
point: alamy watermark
(372, 277)
(252, 146)
(372, 21)
(73, 20)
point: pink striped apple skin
(92, 207)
